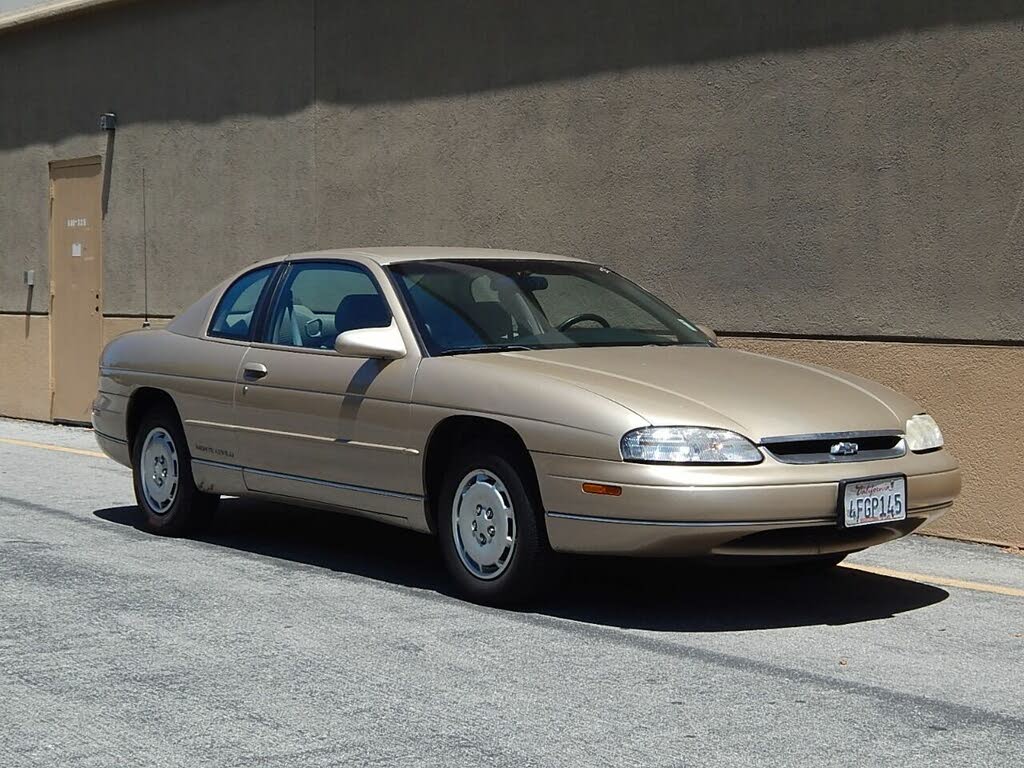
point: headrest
(493, 319)
(366, 310)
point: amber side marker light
(602, 490)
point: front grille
(837, 447)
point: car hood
(752, 394)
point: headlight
(923, 434)
(688, 445)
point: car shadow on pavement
(659, 595)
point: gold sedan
(514, 405)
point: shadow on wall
(666, 596)
(198, 61)
(463, 46)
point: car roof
(398, 254)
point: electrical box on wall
(30, 277)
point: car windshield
(463, 307)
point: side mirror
(373, 343)
(708, 331)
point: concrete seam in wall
(871, 338)
(108, 315)
(769, 335)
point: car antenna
(145, 256)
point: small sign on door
(76, 250)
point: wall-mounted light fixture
(108, 121)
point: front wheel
(162, 477)
(491, 535)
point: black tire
(530, 558)
(189, 507)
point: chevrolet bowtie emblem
(844, 449)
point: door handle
(253, 371)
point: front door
(317, 426)
(76, 287)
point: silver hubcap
(483, 524)
(159, 468)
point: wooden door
(76, 279)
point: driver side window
(320, 300)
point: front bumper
(766, 509)
(108, 423)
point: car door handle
(253, 371)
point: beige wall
(115, 326)
(975, 394)
(25, 372)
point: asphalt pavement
(289, 637)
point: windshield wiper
(485, 348)
(676, 344)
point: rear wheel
(492, 538)
(162, 475)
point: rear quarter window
(233, 317)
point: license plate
(868, 502)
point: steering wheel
(582, 318)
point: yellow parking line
(48, 447)
(942, 581)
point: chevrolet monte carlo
(514, 405)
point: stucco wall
(25, 372)
(213, 100)
(974, 392)
(813, 168)
(115, 326)
(799, 167)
